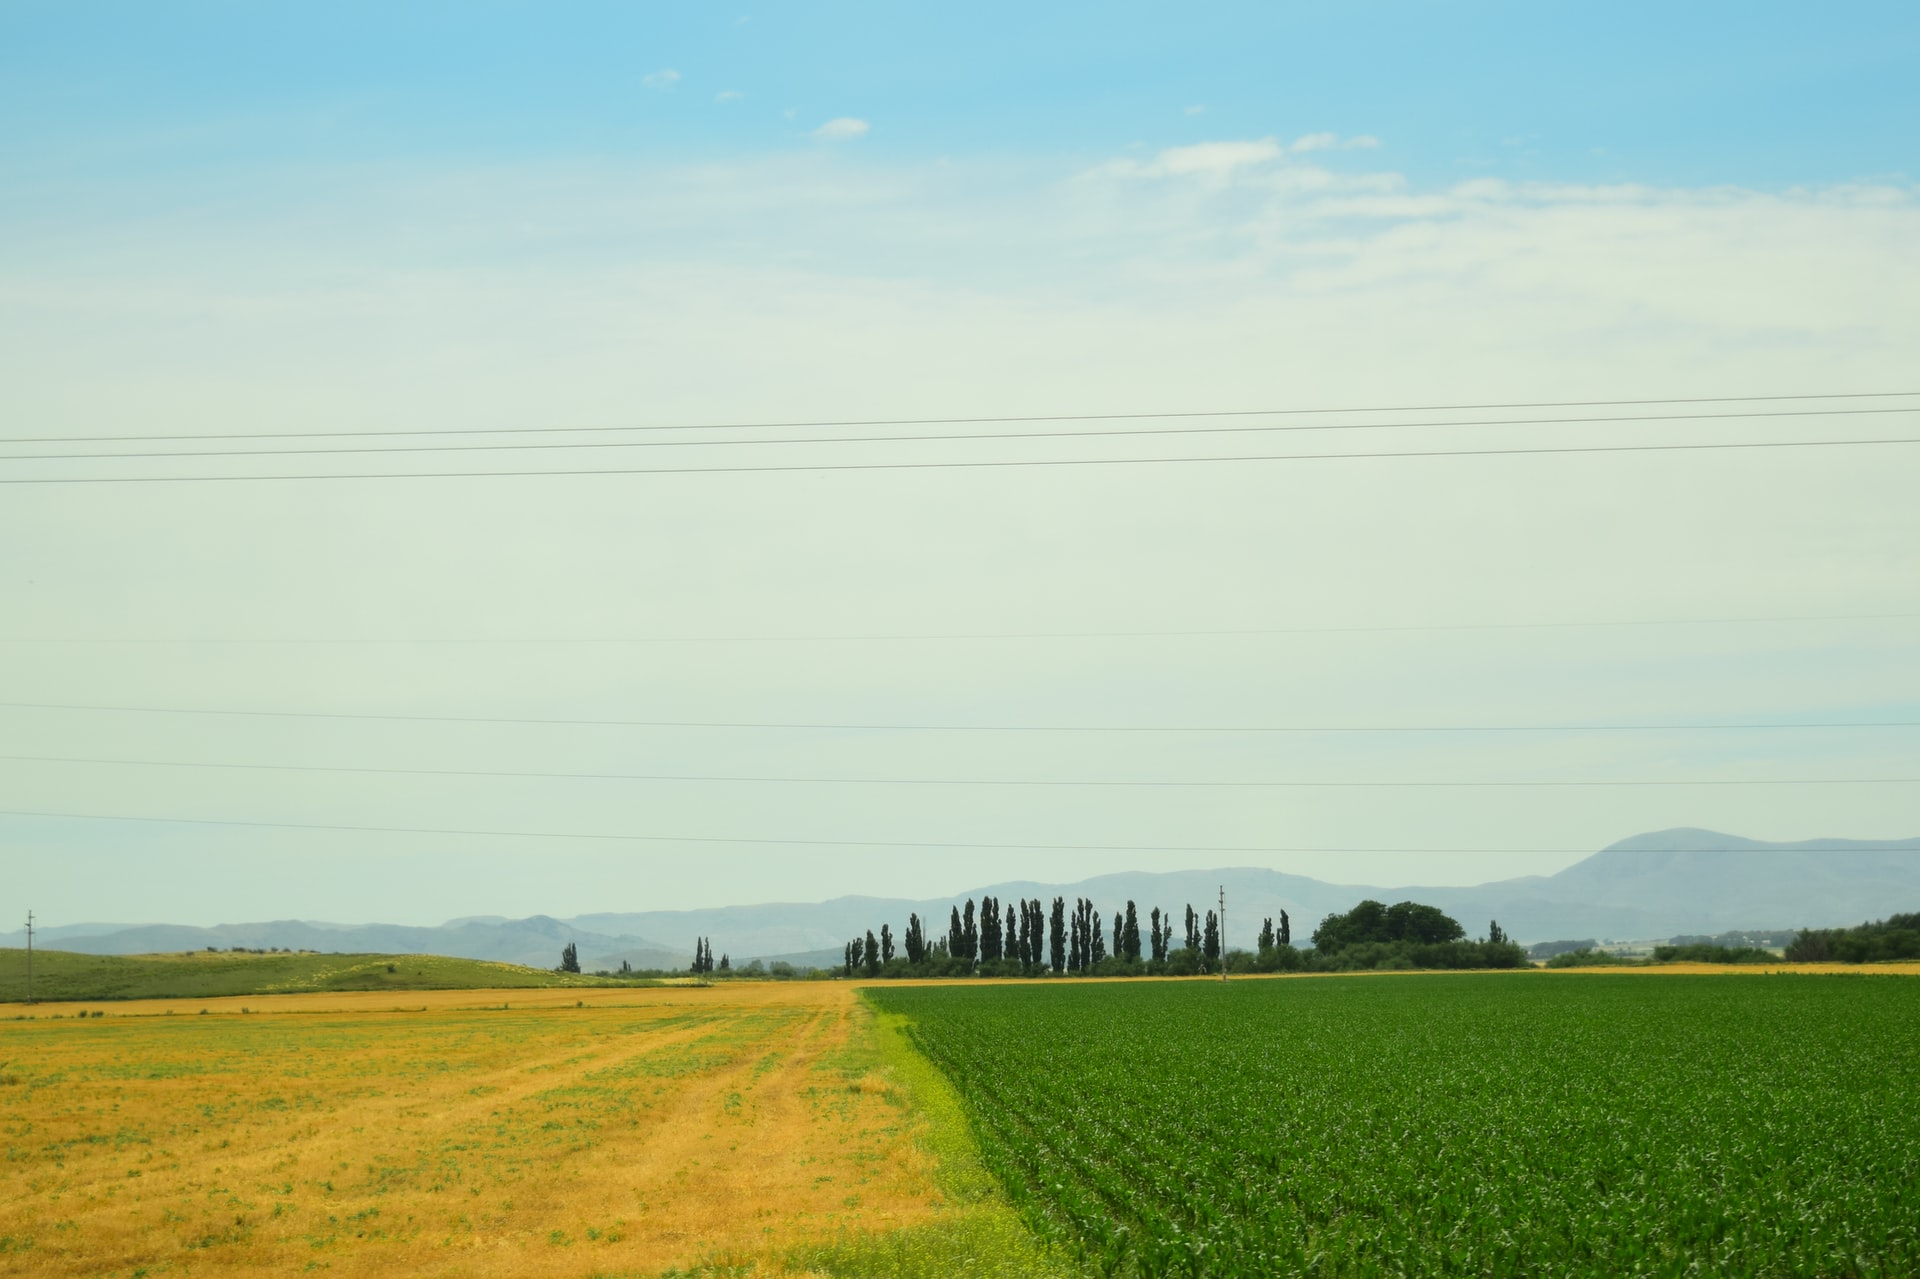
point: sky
(782, 659)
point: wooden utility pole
(1223, 932)
(29, 956)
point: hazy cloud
(1203, 158)
(1333, 142)
(1198, 108)
(728, 95)
(841, 128)
(663, 79)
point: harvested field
(471, 1133)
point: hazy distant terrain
(1650, 886)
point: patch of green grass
(60, 975)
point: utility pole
(1223, 932)
(29, 956)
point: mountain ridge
(1657, 884)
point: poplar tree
(955, 937)
(870, 958)
(1266, 935)
(969, 935)
(1057, 936)
(1157, 935)
(886, 944)
(1096, 937)
(990, 943)
(1286, 930)
(1210, 946)
(1130, 936)
(569, 959)
(1011, 939)
(1193, 928)
(916, 940)
(1119, 947)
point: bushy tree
(725, 963)
(1266, 935)
(1373, 922)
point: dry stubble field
(472, 1133)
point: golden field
(521, 1133)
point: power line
(992, 464)
(967, 728)
(934, 439)
(794, 843)
(818, 423)
(970, 636)
(943, 781)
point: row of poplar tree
(1024, 938)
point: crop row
(1449, 1125)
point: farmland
(1455, 1125)
(67, 975)
(525, 1133)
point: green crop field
(1451, 1125)
(67, 975)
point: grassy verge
(975, 1232)
(67, 975)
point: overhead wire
(1127, 433)
(784, 842)
(1146, 783)
(897, 727)
(983, 636)
(810, 424)
(986, 464)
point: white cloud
(1211, 159)
(1198, 108)
(841, 128)
(663, 79)
(1333, 142)
(728, 95)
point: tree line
(1895, 937)
(1028, 937)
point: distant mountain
(1650, 886)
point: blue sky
(1753, 94)
(280, 220)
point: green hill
(67, 975)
